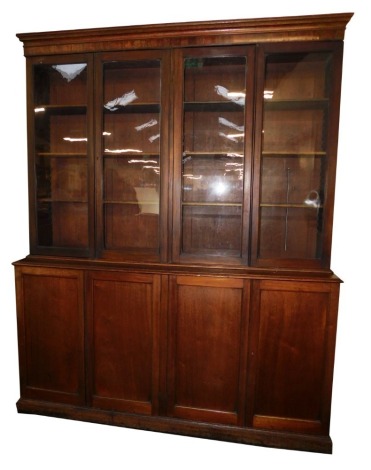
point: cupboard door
(50, 316)
(123, 316)
(297, 116)
(212, 153)
(60, 149)
(131, 139)
(291, 354)
(207, 349)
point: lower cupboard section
(234, 358)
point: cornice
(168, 35)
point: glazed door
(50, 315)
(295, 156)
(212, 153)
(60, 111)
(292, 345)
(132, 155)
(123, 341)
(207, 349)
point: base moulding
(275, 439)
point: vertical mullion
(91, 113)
(98, 155)
(177, 152)
(258, 137)
(166, 155)
(248, 151)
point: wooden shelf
(295, 105)
(137, 155)
(217, 153)
(214, 204)
(61, 201)
(289, 206)
(201, 106)
(61, 154)
(298, 154)
(131, 203)
(50, 109)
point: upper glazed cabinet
(221, 154)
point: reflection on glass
(69, 71)
(123, 100)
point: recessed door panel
(291, 350)
(123, 316)
(206, 367)
(51, 334)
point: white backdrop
(54, 444)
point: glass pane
(213, 155)
(294, 155)
(131, 202)
(210, 229)
(60, 93)
(214, 178)
(131, 153)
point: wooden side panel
(207, 364)
(51, 339)
(292, 352)
(123, 316)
